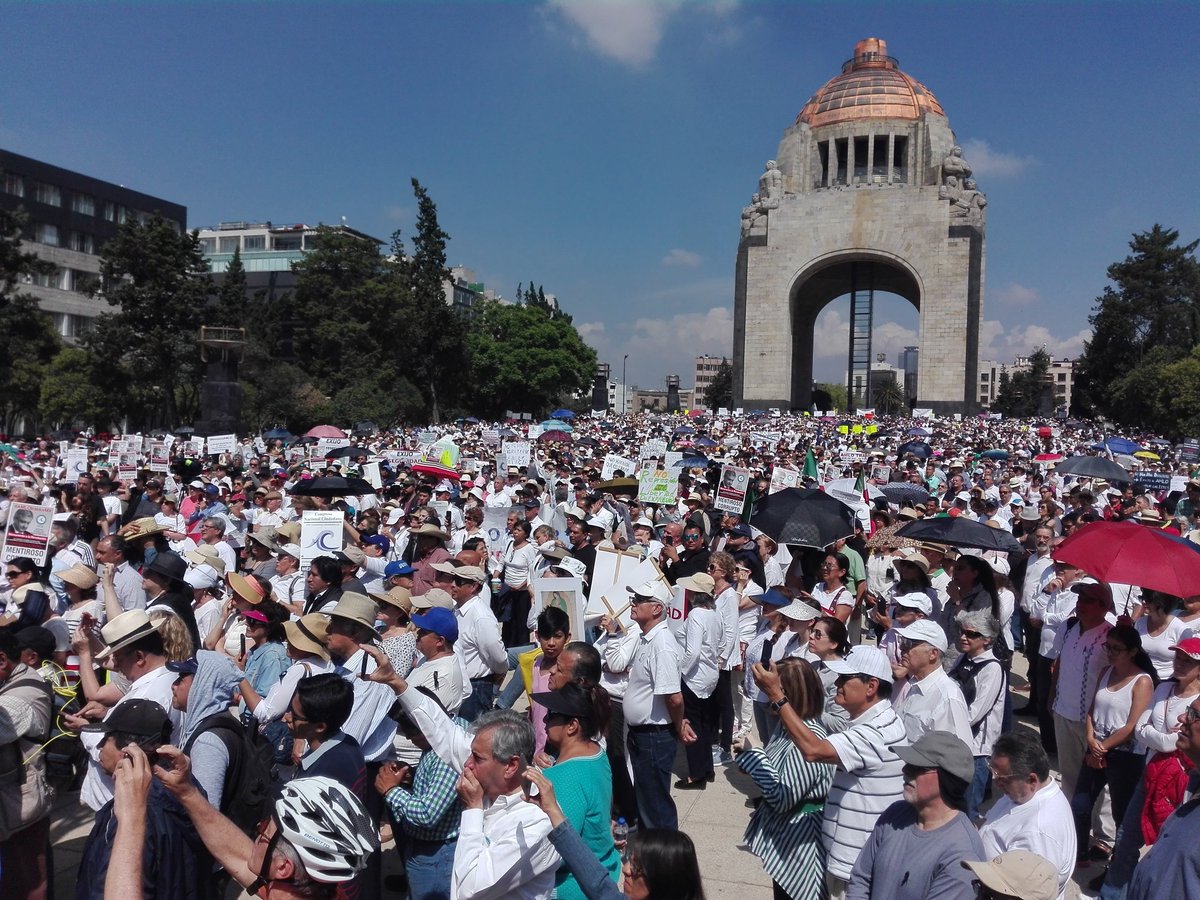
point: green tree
(71, 393)
(1153, 304)
(435, 371)
(27, 337)
(889, 397)
(720, 390)
(837, 395)
(524, 359)
(157, 279)
(230, 307)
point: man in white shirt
(502, 849)
(478, 645)
(1038, 564)
(287, 587)
(1032, 813)
(120, 583)
(1052, 605)
(929, 699)
(653, 706)
(134, 650)
(212, 532)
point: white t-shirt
(1042, 825)
(1159, 648)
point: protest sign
(657, 486)
(566, 594)
(426, 436)
(1189, 450)
(77, 463)
(783, 478)
(127, 466)
(320, 535)
(614, 571)
(370, 472)
(653, 449)
(28, 532)
(1156, 482)
(516, 453)
(534, 432)
(159, 457)
(221, 443)
(491, 436)
(325, 446)
(670, 458)
(195, 447)
(495, 530)
(613, 464)
(731, 494)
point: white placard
(723, 412)
(614, 571)
(670, 458)
(534, 432)
(491, 436)
(370, 472)
(195, 446)
(613, 463)
(495, 531)
(325, 446)
(77, 463)
(321, 534)
(781, 479)
(28, 532)
(516, 453)
(731, 493)
(653, 449)
(160, 457)
(221, 443)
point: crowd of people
(244, 708)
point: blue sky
(605, 150)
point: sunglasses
(13, 574)
(972, 635)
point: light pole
(624, 360)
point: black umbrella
(957, 531)
(278, 434)
(1092, 467)
(918, 449)
(63, 435)
(185, 429)
(367, 427)
(346, 452)
(331, 486)
(901, 491)
(806, 516)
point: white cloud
(831, 338)
(680, 257)
(1013, 294)
(591, 332)
(400, 213)
(986, 162)
(1003, 345)
(627, 31)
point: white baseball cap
(862, 660)
(917, 600)
(654, 589)
(927, 631)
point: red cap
(1189, 646)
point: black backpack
(247, 793)
(964, 673)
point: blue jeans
(428, 865)
(516, 685)
(1122, 774)
(483, 694)
(977, 790)
(1127, 847)
(651, 755)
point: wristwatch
(779, 704)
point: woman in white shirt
(831, 592)
(699, 671)
(1160, 631)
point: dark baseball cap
(139, 717)
(569, 700)
(183, 666)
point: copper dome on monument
(871, 86)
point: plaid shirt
(431, 810)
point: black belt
(486, 678)
(649, 729)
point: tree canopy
(1026, 391)
(1146, 321)
(719, 392)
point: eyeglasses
(298, 717)
(996, 776)
(907, 644)
(695, 536)
(843, 679)
(1115, 648)
(910, 771)
(1191, 714)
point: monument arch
(868, 192)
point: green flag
(810, 465)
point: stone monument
(869, 191)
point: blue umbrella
(683, 429)
(691, 462)
(918, 449)
(471, 420)
(706, 442)
(555, 425)
(562, 414)
(1122, 445)
(994, 454)
(918, 432)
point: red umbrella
(1129, 553)
(555, 436)
(1048, 457)
(425, 467)
(325, 431)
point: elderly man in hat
(133, 649)
(478, 645)
(868, 777)
(653, 704)
(918, 845)
(287, 585)
(929, 700)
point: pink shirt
(537, 712)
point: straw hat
(432, 598)
(206, 555)
(357, 608)
(80, 576)
(249, 589)
(399, 597)
(125, 629)
(428, 530)
(308, 634)
(142, 528)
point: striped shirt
(431, 810)
(867, 782)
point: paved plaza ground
(715, 818)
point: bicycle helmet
(328, 826)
